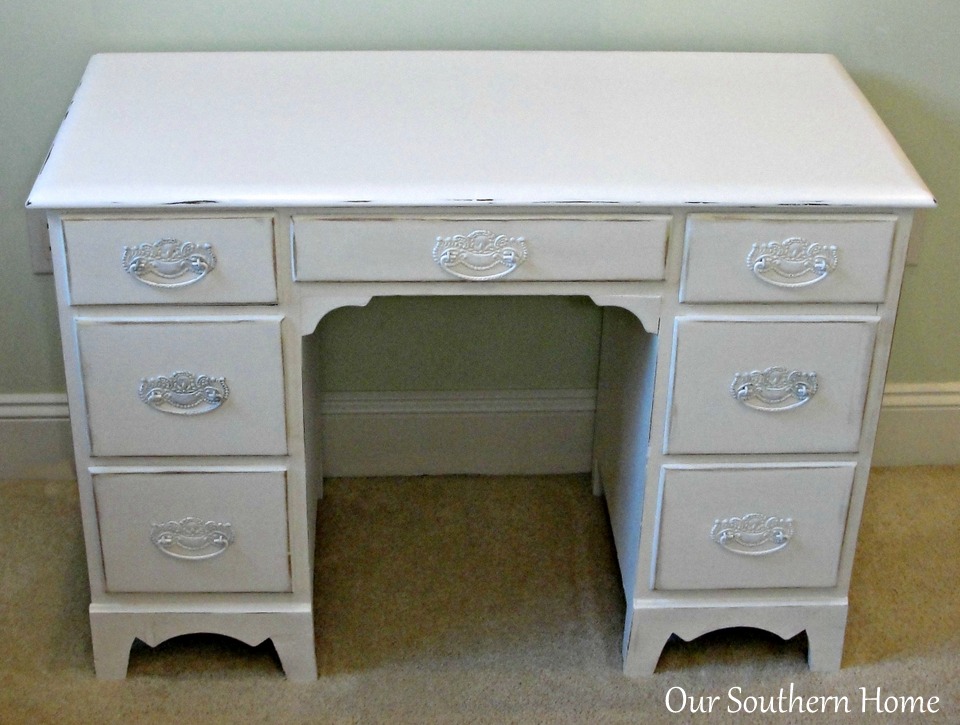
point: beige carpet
(468, 599)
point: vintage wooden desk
(741, 218)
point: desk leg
(112, 640)
(296, 648)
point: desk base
(651, 627)
(291, 631)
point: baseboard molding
(35, 440)
(919, 425)
(485, 432)
(491, 432)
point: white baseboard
(493, 432)
(486, 432)
(35, 441)
(919, 425)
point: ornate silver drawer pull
(774, 389)
(184, 393)
(479, 255)
(794, 262)
(192, 538)
(752, 534)
(169, 263)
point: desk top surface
(472, 128)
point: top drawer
(437, 249)
(170, 260)
(731, 258)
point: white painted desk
(742, 219)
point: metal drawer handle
(169, 263)
(479, 255)
(191, 538)
(794, 262)
(184, 393)
(774, 389)
(752, 534)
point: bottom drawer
(193, 531)
(735, 527)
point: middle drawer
(437, 249)
(769, 384)
(195, 386)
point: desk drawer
(751, 526)
(769, 385)
(170, 260)
(435, 249)
(786, 259)
(183, 531)
(183, 387)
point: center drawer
(194, 386)
(479, 249)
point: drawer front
(786, 259)
(170, 260)
(182, 531)
(194, 387)
(751, 526)
(479, 249)
(769, 385)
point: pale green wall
(905, 56)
